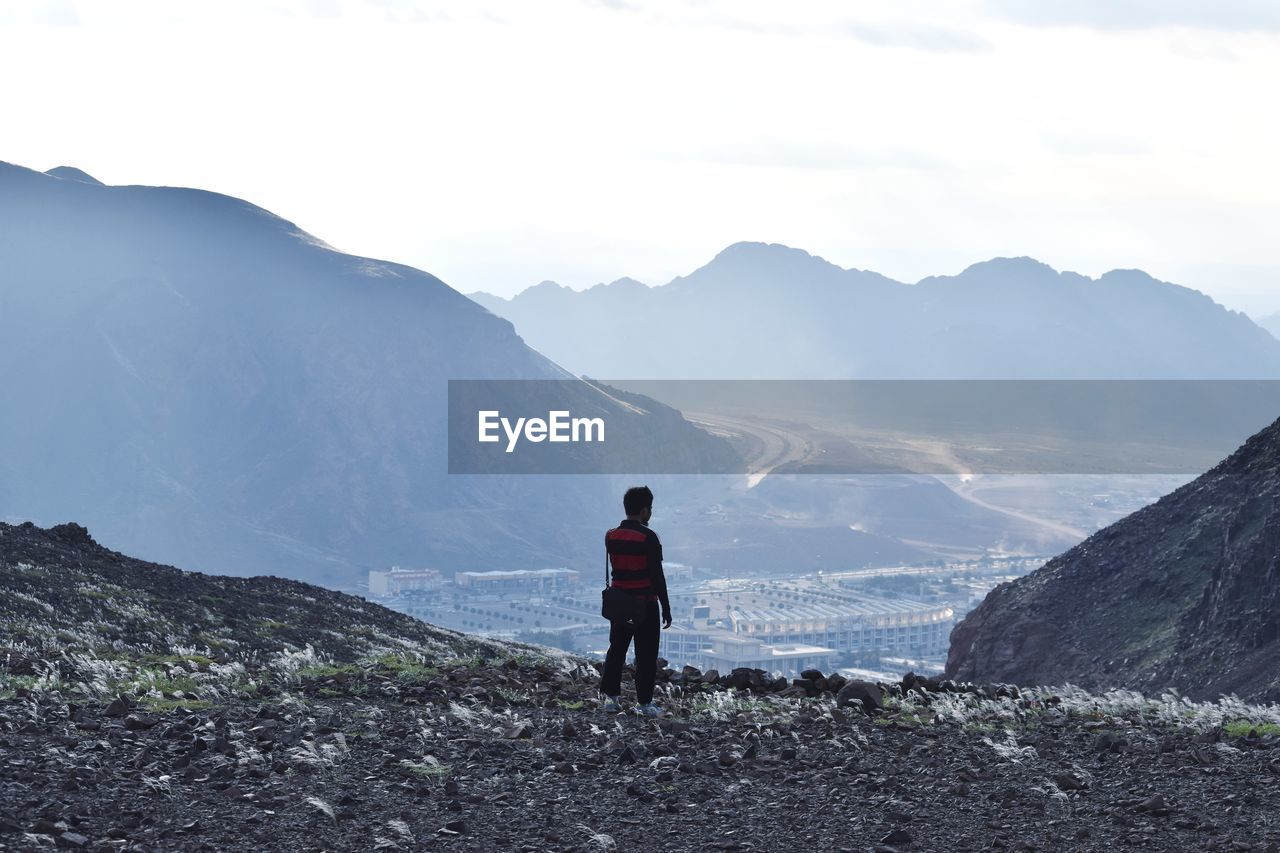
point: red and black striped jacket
(635, 553)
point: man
(635, 554)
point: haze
(499, 143)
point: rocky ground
(517, 756)
(147, 709)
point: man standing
(635, 554)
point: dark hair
(636, 499)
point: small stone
(896, 837)
(1154, 805)
(140, 722)
(1069, 782)
(1109, 742)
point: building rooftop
(519, 573)
(796, 649)
(835, 609)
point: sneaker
(611, 705)
(649, 710)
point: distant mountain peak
(1020, 266)
(762, 263)
(624, 283)
(71, 173)
(755, 252)
(546, 286)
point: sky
(499, 144)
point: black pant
(646, 636)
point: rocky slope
(147, 709)
(66, 594)
(1184, 593)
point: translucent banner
(852, 426)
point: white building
(398, 581)
(723, 651)
(516, 580)
(779, 619)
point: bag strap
(606, 561)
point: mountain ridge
(766, 311)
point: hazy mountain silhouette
(1271, 323)
(204, 383)
(769, 311)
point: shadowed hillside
(1184, 593)
(202, 382)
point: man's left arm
(659, 579)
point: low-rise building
(398, 581)
(850, 625)
(724, 651)
(516, 580)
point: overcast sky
(497, 144)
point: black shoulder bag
(618, 604)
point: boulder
(865, 693)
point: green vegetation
(154, 704)
(1243, 728)
(11, 684)
(429, 768)
(984, 727)
(512, 697)
(408, 669)
(329, 670)
(169, 683)
(200, 661)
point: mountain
(1184, 593)
(1271, 323)
(205, 383)
(762, 311)
(147, 708)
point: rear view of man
(635, 555)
